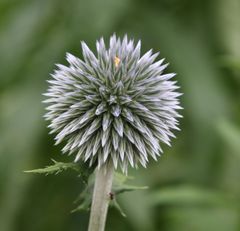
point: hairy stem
(101, 198)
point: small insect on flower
(116, 106)
(111, 196)
(116, 61)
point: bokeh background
(195, 185)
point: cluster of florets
(116, 106)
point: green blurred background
(195, 185)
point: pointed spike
(116, 110)
(118, 125)
(106, 121)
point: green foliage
(55, 168)
(230, 135)
(117, 206)
(119, 186)
(186, 195)
(82, 169)
(199, 38)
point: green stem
(101, 198)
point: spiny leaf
(84, 199)
(82, 169)
(128, 188)
(116, 205)
(119, 185)
(55, 168)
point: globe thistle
(117, 106)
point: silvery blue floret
(115, 106)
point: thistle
(113, 109)
(116, 106)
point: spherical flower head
(117, 106)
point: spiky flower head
(117, 106)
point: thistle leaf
(55, 168)
(58, 167)
(116, 205)
(119, 186)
